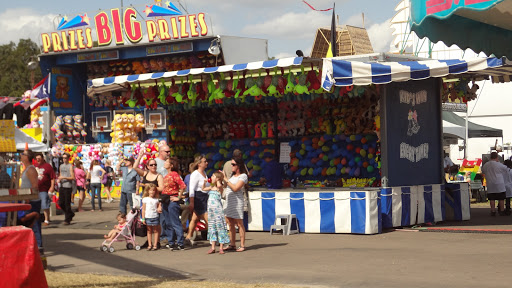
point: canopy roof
(340, 72)
(481, 25)
(21, 138)
(456, 125)
(375, 68)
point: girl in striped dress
(217, 231)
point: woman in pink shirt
(80, 183)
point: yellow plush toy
(131, 121)
(139, 122)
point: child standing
(217, 231)
(121, 222)
(150, 209)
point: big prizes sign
(118, 26)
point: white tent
(21, 138)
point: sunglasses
(233, 164)
(168, 151)
(152, 165)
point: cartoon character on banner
(62, 89)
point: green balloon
(325, 158)
(357, 159)
(325, 148)
(302, 151)
(331, 163)
(369, 169)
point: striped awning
(286, 62)
(339, 72)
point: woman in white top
(29, 177)
(197, 197)
(96, 174)
(235, 203)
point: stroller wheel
(104, 248)
(111, 249)
(137, 248)
(129, 246)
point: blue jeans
(173, 226)
(36, 207)
(96, 190)
(125, 197)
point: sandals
(240, 249)
(211, 251)
(221, 252)
(150, 248)
(230, 248)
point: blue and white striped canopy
(286, 62)
(339, 72)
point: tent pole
(466, 139)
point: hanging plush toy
(56, 128)
(79, 126)
(68, 126)
(139, 123)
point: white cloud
(380, 36)
(290, 25)
(22, 23)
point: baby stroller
(127, 234)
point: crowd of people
(167, 200)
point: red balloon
(350, 147)
(358, 149)
(343, 161)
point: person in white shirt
(447, 163)
(197, 197)
(495, 174)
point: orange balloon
(363, 140)
(324, 171)
(365, 164)
(337, 161)
(315, 140)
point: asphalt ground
(396, 258)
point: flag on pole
(331, 52)
(40, 90)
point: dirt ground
(396, 258)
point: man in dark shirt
(46, 185)
(5, 178)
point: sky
(289, 25)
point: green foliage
(14, 73)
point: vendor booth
(357, 140)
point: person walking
(129, 186)
(110, 178)
(29, 180)
(96, 173)
(235, 203)
(171, 196)
(66, 178)
(197, 197)
(46, 184)
(495, 175)
(80, 183)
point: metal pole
(466, 139)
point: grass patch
(75, 280)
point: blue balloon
(359, 137)
(327, 137)
(365, 147)
(320, 163)
(309, 148)
(351, 173)
(292, 143)
(351, 163)
(338, 172)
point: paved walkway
(400, 258)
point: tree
(14, 73)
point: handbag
(104, 179)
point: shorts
(109, 183)
(200, 202)
(45, 200)
(497, 196)
(80, 189)
(152, 221)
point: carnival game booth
(369, 122)
(127, 42)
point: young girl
(217, 231)
(121, 220)
(150, 209)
